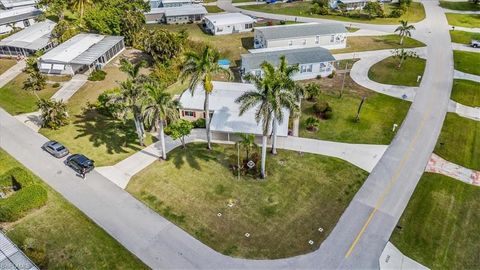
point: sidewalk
(392, 258)
(464, 111)
(11, 73)
(447, 168)
(466, 29)
(446, 10)
(466, 76)
(70, 87)
(464, 47)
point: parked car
(56, 149)
(79, 162)
(475, 43)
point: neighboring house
(29, 40)
(81, 53)
(11, 257)
(225, 111)
(228, 23)
(313, 62)
(176, 15)
(17, 18)
(175, 3)
(327, 35)
(354, 4)
(8, 4)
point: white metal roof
(35, 37)
(193, 9)
(300, 30)
(175, 1)
(17, 3)
(18, 14)
(226, 111)
(11, 257)
(229, 18)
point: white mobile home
(175, 3)
(327, 35)
(228, 23)
(17, 18)
(81, 53)
(176, 15)
(313, 62)
(8, 4)
(29, 40)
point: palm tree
(81, 5)
(404, 30)
(199, 69)
(159, 107)
(269, 98)
(35, 81)
(54, 113)
(132, 69)
(312, 123)
(247, 141)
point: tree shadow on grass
(193, 154)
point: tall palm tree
(81, 5)
(247, 141)
(54, 113)
(404, 30)
(199, 69)
(132, 69)
(35, 81)
(159, 106)
(269, 99)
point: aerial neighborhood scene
(239, 134)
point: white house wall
(298, 76)
(227, 29)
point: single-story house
(349, 4)
(17, 18)
(313, 62)
(225, 111)
(327, 35)
(8, 4)
(175, 3)
(176, 15)
(228, 23)
(28, 40)
(81, 53)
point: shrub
(396, 13)
(97, 75)
(332, 74)
(312, 123)
(56, 85)
(105, 106)
(199, 123)
(323, 109)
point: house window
(304, 42)
(219, 29)
(290, 43)
(332, 38)
(306, 68)
(248, 26)
(189, 113)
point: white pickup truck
(475, 43)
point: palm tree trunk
(274, 136)
(401, 40)
(207, 120)
(296, 120)
(139, 130)
(161, 135)
(264, 156)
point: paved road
(361, 233)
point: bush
(97, 75)
(56, 85)
(200, 123)
(104, 105)
(331, 75)
(396, 13)
(323, 109)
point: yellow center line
(392, 182)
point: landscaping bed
(373, 43)
(463, 37)
(6, 63)
(467, 62)
(440, 225)
(464, 6)
(387, 71)
(59, 236)
(280, 214)
(463, 20)
(466, 92)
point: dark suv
(80, 162)
(56, 149)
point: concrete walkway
(364, 156)
(472, 113)
(466, 29)
(439, 165)
(11, 73)
(446, 10)
(393, 259)
(70, 87)
(464, 47)
(466, 76)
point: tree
(162, 45)
(81, 5)
(312, 123)
(180, 129)
(35, 81)
(402, 55)
(312, 90)
(54, 113)
(404, 30)
(63, 31)
(247, 142)
(132, 69)
(374, 9)
(159, 107)
(199, 69)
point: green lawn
(213, 9)
(373, 43)
(463, 20)
(15, 100)
(387, 71)
(459, 141)
(460, 5)
(242, 1)
(281, 213)
(105, 140)
(415, 13)
(440, 225)
(466, 92)
(467, 62)
(69, 238)
(463, 37)
(6, 63)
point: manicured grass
(467, 62)
(373, 43)
(463, 37)
(6, 63)
(463, 20)
(415, 13)
(104, 139)
(281, 213)
(213, 9)
(440, 225)
(242, 1)
(459, 141)
(69, 238)
(377, 116)
(460, 5)
(15, 100)
(466, 92)
(387, 71)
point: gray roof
(294, 56)
(97, 50)
(17, 3)
(19, 16)
(34, 37)
(301, 30)
(11, 257)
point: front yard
(466, 92)
(463, 37)
(6, 63)
(373, 43)
(465, 6)
(387, 71)
(62, 237)
(463, 20)
(467, 62)
(197, 190)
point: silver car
(56, 149)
